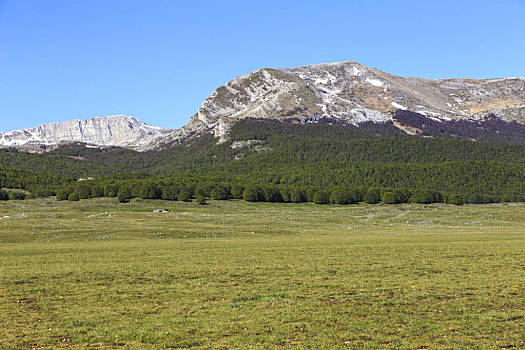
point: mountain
(328, 126)
(346, 93)
(351, 93)
(122, 131)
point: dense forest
(270, 161)
(487, 129)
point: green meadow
(237, 275)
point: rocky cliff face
(352, 93)
(122, 131)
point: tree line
(166, 189)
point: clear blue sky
(157, 60)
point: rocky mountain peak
(118, 130)
(352, 93)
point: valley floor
(234, 274)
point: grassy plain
(238, 275)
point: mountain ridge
(117, 130)
(352, 93)
(345, 93)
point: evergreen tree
(455, 199)
(201, 199)
(220, 192)
(321, 197)
(111, 190)
(388, 197)
(253, 194)
(124, 194)
(83, 189)
(149, 190)
(73, 197)
(97, 190)
(343, 196)
(372, 196)
(296, 195)
(285, 194)
(425, 196)
(4, 196)
(169, 193)
(17, 196)
(272, 194)
(62, 195)
(237, 191)
(184, 194)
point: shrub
(321, 197)
(478, 198)
(204, 189)
(200, 190)
(402, 196)
(510, 197)
(42, 191)
(355, 194)
(394, 196)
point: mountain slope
(121, 131)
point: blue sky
(157, 60)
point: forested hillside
(288, 155)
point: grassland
(238, 275)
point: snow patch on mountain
(374, 82)
(398, 106)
